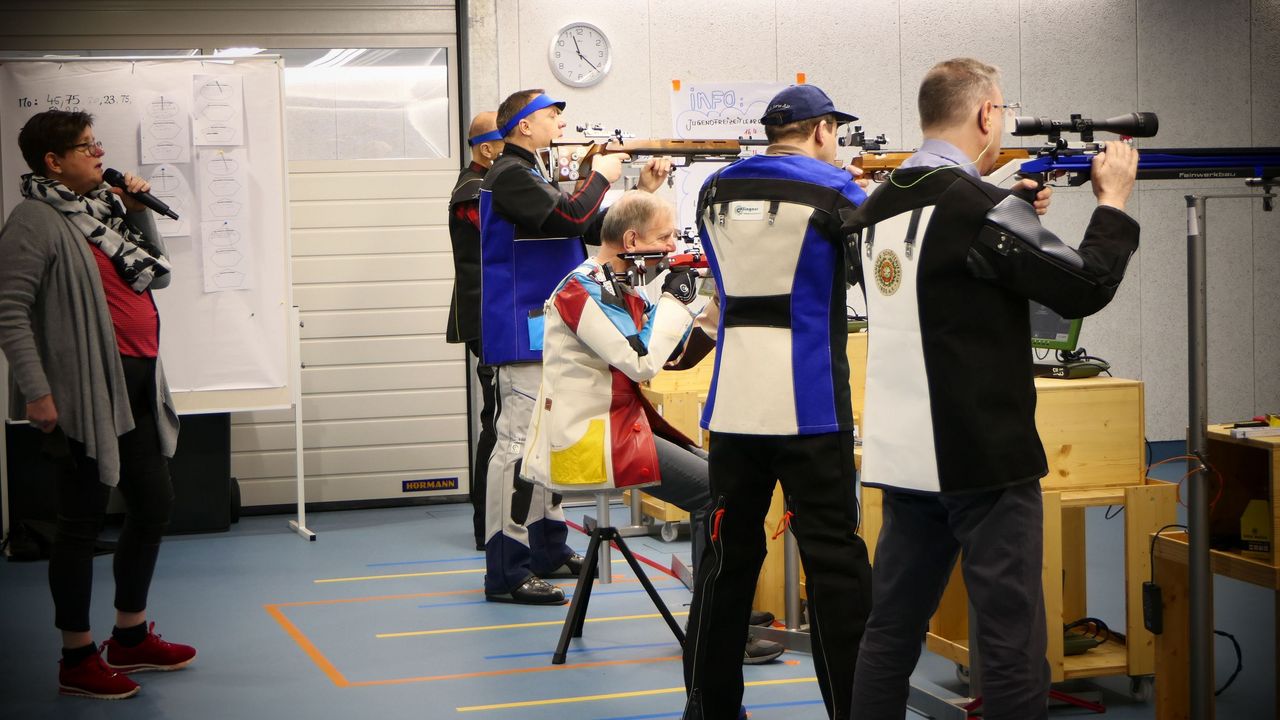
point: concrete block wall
(1211, 70)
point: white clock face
(580, 55)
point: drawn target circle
(224, 187)
(225, 208)
(220, 134)
(218, 112)
(216, 90)
(162, 109)
(227, 258)
(224, 237)
(162, 181)
(165, 150)
(165, 130)
(228, 279)
(223, 165)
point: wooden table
(1251, 469)
(1173, 646)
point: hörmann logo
(429, 485)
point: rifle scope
(1139, 125)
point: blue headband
(484, 138)
(536, 104)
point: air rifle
(877, 163)
(1058, 155)
(572, 158)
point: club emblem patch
(888, 272)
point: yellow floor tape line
(547, 623)
(397, 576)
(476, 571)
(619, 696)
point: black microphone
(115, 179)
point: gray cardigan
(56, 331)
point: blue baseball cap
(801, 102)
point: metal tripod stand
(601, 536)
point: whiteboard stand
(295, 351)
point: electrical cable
(920, 179)
(1114, 510)
(1204, 465)
(1239, 662)
(1153, 546)
(1234, 643)
(1093, 627)
(1081, 355)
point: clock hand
(578, 49)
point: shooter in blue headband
(531, 237)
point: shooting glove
(682, 284)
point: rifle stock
(877, 165)
(573, 158)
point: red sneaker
(92, 678)
(150, 654)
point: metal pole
(299, 524)
(1200, 580)
(462, 20)
(975, 659)
(602, 521)
(791, 579)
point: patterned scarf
(99, 216)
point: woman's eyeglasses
(91, 148)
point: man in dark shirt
(531, 237)
(464, 307)
(950, 404)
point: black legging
(484, 444)
(82, 507)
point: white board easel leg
(295, 350)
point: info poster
(714, 111)
(721, 111)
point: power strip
(1152, 608)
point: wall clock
(580, 55)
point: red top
(134, 316)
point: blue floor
(383, 617)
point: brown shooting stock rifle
(571, 159)
(878, 164)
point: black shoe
(761, 651)
(533, 591)
(570, 569)
(763, 618)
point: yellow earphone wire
(944, 167)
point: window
(55, 54)
(365, 103)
